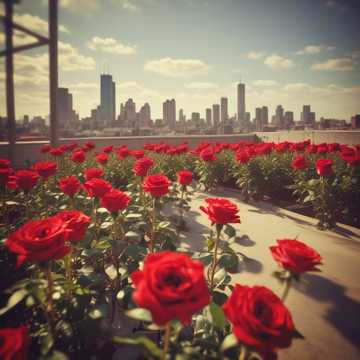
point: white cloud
(32, 22)
(128, 5)
(201, 85)
(110, 45)
(339, 64)
(255, 55)
(276, 61)
(80, 5)
(314, 49)
(265, 83)
(134, 89)
(177, 67)
(71, 60)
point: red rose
(92, 173)
(39, 240)
(295, 256)
(72, 146)
(58, 151)
(242, 157)
(171, 286)
(138, 154)
(259, 319)
(102, 158)
(45, 148)
(156, 185)
(142, 166)
(69, 185)
(89, 145)
(311, 149)
(76, 222)
(115, 200)
(299, 163)
(14, 343)
(26, 179)
(97, 187)
(4, 175)
(185, 177)
(108, 149)
(4, 163)
(123, 152)
(78, 156)
(221, 211)
(207, 154)
(324, 167)
(352, 160)
(46, 168)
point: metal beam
(53, 67)
(22, 47)
(9, 63)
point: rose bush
(96, 242)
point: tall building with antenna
(107, 99)
(241, 108)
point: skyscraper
(288, 119)
(264, 116)
(216, 115)
(307, 116)
(258, 119)
(145, 115)
(169, 113)
(208, 117)
(224, 109)
(107, 99)
(66, 114)
(279, 117)
(241, 104)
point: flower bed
(86, 239)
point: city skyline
(206, 50)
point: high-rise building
(208, 117)
(195, 119)
(145, 115)
(241, 109)
(264, 116)
(216, 115)
(279, 117)
(182, 117)
(288, 119)
(258, 119)
(65, 113)
(224, 110)
(107, 99)
(308, 117)
(169, 113)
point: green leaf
(99, 311)
(230, 231)
(164, 224)
(142, 341)
(220, 275)
(57, 355)
(229, 342)
(133, 216)
(14, 299)
(47, 343)
(217, 316)
(313, 182)
(139, 314)
(111, 272)
(132, 235)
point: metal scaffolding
(10, 50)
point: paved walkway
(326, 309)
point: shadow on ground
(344, 311)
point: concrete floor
(326, 309)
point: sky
(288, 52)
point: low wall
(349, 137)
(29, 151)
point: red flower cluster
(78, 156)
(295, 256)
(324, 167)
(97, 187)
(92, 173)
(76, 222)
(299, 163)
(102, 158)
(221, 211)
(172, 286)
(23, 179)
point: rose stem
(68, 269)
(166, 340)
(214, 262)
(243, 353)
(153, 224)
(286, 289)
(50, 306)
